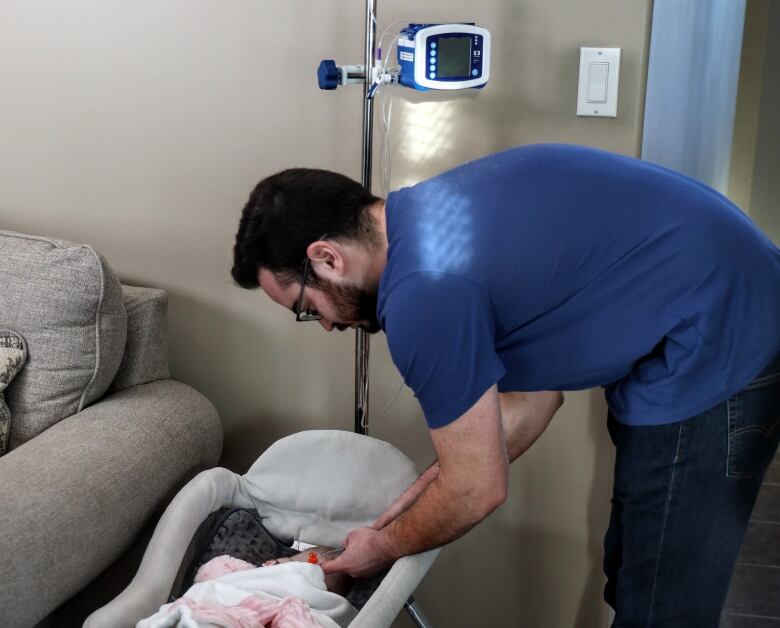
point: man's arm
(524, 416)
(408, 497)
(470, 484)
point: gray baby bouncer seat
(315, 487)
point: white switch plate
(591, 94)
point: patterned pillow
(13, 353)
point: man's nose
(326, 325)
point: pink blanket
(253, 612)
(231, 593)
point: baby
(229, 591)
(219, 566)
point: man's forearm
(408, 497)
(471, 481)
(440, 514)
(524, 417)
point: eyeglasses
(304, 316)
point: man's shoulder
(408, 295)
(426, 281)
(403, 286)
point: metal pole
(362, 339)
(416, 614)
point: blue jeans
(682, 497)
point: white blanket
(293, 579)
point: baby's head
(220, 566)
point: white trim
(692, 79)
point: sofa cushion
(13, 353)
(67, 303)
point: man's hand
(364, 555)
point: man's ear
(327, 259)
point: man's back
(594, 269)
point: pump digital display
(454, 57)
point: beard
(352, 303)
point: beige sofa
(100, 437)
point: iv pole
(362, 339)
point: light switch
(597, 94)
(597, 82)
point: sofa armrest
(74, 497)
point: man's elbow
(499, 496)
(493, 497)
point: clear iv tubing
(386, 114)
(386, 108)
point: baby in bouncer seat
(336, 583)
(229, 591)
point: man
(541, 269)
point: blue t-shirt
(556, 267)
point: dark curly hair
(291, 209)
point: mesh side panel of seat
(202, 534)
(237, 532)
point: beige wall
(140, 127)
(765, 194)
(755, 158)
(749, 88)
